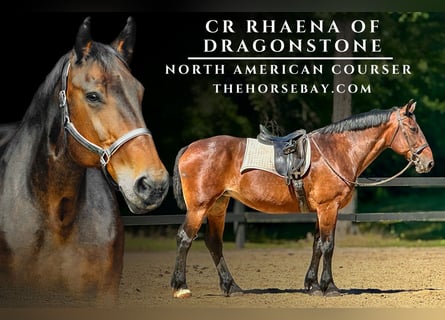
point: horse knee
(182, 239)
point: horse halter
(414, 152)
(104, 154)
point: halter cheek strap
(104, 154)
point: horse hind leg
(178, 281)
(184, 238)
(214, 243)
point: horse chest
(36, 251)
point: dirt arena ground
(273, 278)
(376, 283)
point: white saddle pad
(258, 156)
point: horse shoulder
(98, 215)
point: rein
(104, 154)
(356, 183)
(413, 160)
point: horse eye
(93, 97)
(413, 129)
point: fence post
(239, 228)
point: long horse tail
(177, 186)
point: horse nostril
(142, 187)
(431, 164)
(149, 190)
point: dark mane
(44, 104)
(361, 121)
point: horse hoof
(182, 293)
(315, 292)
(332, 293)
(235, 293)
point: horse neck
(36, 162)
(51, 163)
(59, 181)
(54, 177)
(357, 149)
(53, 168)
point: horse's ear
(410, 107)
(124, 43)
(83, 40)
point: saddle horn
(83, 40)
(124, 43)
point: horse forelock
(105, 55)
(361, 121)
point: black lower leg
(311, 279)
(183, 243)
(226, 281)
(326, 280)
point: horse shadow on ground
(351, 291)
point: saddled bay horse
(82, 139)
(207, 174)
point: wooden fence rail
(239, 217)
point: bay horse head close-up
(82, 139)
(317, 172)
(101, 102)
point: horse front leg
(183, 243)
(213, 241)
(311, 280)
(328, 221)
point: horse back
(214, 160)
(222, 152)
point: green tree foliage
(416, 39)
(211, 115)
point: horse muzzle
(423, 160)
(146, 193)
(423, 166)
